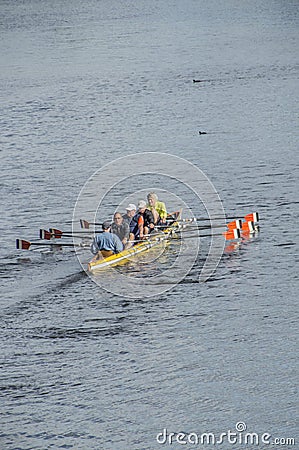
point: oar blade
(44, 234)
(55, 233)
(84, 224)
(232, 234)
(235, 224)
(22, 244)
(252, 217)
(248, 226)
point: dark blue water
(85, 83)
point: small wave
(76, 333)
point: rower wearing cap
(131, 211)
(106, 244)
(157, 208)
(143, 221)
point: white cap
(141, 204)
(131, 207)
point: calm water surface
(84, 83)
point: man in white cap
(131, 211)
(106, 244)
(143, 222)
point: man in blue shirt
(106, 244)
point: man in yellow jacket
(157, 208)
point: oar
(25, 245)
(253, 217)
(188, 227)
(230, 226)
(233, 232)
(228, 235)
(58, 234)
(48, 235)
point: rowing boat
(237, 232)
(141, 247)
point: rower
(157, 208)
(130, 213)
(120, 228)
(143, 221)
(105, 244)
